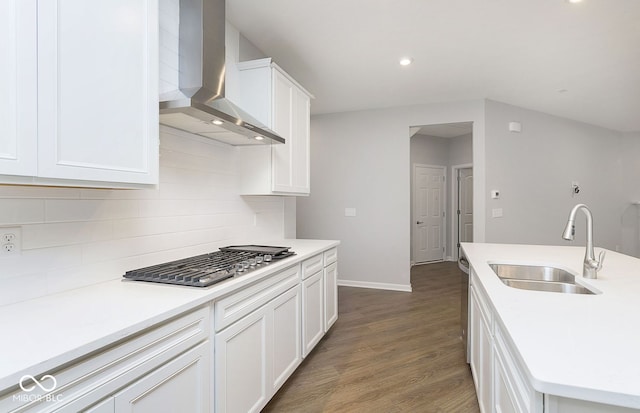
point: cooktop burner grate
(207, 269)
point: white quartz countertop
(573, 345)
(43, 333)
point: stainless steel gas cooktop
(208, 269)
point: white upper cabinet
(96, 102)
(18, 87)
(278, 101)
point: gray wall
(630, 185)
(534, 169)
(361, 160)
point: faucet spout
(591, 265)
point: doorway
(447, 146)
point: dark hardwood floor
(388, 352)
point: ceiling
(579, 61)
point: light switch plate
(349, 212)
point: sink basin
(538, 278)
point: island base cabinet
(555, 404)
(481, 354)
(502, 394)
(255, 355)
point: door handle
(420, 222)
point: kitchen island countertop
(47, 332)
(572, 345)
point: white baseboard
(377, 286)
(449, 258)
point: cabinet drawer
(235, 306)
(311, 266)
(102, 373)
(330, 256)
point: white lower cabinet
(481, 352)
(106, 406)
(241, 365)
(319, 297)
(256, 354)
(312, 312)
(503, 394)
(167, 365)
(330, 288)
(501, 385)
(181, 385)
(287, 350)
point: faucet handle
(600, 260)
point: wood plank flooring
(388, 352)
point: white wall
(73, 237)
(534, 169)
(362, 160)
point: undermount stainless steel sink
(538, 278)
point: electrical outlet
(10, 241)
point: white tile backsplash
(74, 237)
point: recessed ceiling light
(406, 61)
(574, 1)
(259, 138)
(216, 122)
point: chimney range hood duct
(200, 106)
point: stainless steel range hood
(200, 105)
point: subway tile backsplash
(73, 237)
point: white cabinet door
(241, 360)
(312, 312)
(270, 95)
(300, 149)
(106, 406)
(481, 355)
(282, 155)
(330, 295)
(18, 87)
(98, 90)
(181, 385)
(503, 394)
(291, 115)
(287, 352)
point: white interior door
(465, 205)
(428, 223)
